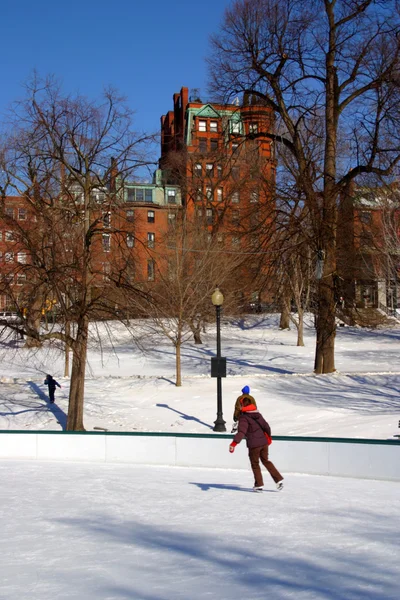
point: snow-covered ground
(124, 532)
(132, 389)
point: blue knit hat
(246, 390)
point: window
(130, 216)
(235, 126)
(214, 126)
(210, 169)
(209, 216)
(235, 216)
(106, 242)
(366, 217)
(130, 195)
(21, 278)
(139, 195)
(219, 171)
(209, 193)
(199, 194)
(21, 214)
(253, 128)
(203, 145)
(199, 213)
(9, 237)
(98, 197)
(219, 194)
(21, 257)
(150, 270)
(1, 236)
(151, 216)
(235, 172)
(198, 170)
(235, 146)
(171, 196)
(9, 212)
(106, 271)
(130, 240)
(235, 240)
(9, 257)
(151, 239)
(107, 220)
(254, 196)
(171, 219)
(202, 125)
(213, 145)
(235, 198)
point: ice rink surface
(112, 532)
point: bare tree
(187, 265)
(328, 68)
(67, 157)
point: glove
(232, 447)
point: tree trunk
(326, 328)
(300, 328)
(67, 349)
(178, 364)
(284, 322)
(76, 394)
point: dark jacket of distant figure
(51, 382)
(252, 426)
(239, 405)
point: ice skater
(51, 384)
(254, 428)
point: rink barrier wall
(340, 457)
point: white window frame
(21, 211)
(106, 240)
(254, 196)
(151, 239)
(171, 194)
(214, 126)
(202, 125)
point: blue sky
(147, 50)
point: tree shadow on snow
(339, 575)
(185, 416)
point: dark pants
(261, 453)
(51, 394)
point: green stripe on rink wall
(227, 436)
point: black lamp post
(218, 364)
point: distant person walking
(254, 428)
(51, 384)
(238, 406)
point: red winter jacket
(252, 426)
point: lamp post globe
(217, 298)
